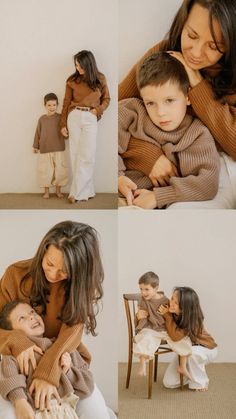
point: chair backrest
(131, 306)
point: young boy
(50, 143)
(75, 376)
(150, 326)
(160, 120)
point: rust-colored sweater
(176, 334)
(190, 147)
(155, 320)
(14, 385)
(48, 138)
(13, 342)
(219, 116)
(78, 93)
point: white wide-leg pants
(82, 128)
(196, 364)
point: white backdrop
(38, 41)
(21, 233)
(188, 248)
(142, 24)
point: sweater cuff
(165, 195)
(17, 394)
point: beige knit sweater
(190, 147)
(14, 385)
(218, 116)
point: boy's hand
(141, 314)
(144, 199)
(23, 409)
(162, 171)
(35, 150)
(65, 132)
(126, 186)
(163, 309)
(65, 362)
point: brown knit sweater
(155, 320)
(47, 137)
(14, 385)
(176, 334)
(13, 342)
(78, 93)
(218, 116)
(190, 147)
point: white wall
(21, 233)
(142, 24)
(38, 41)
(185, 248)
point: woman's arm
(66, 103)
(173, 331)
(219, 118)
(105, 97)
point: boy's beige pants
(52, 169)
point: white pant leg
(82, 151)
(7, 410)
(181, 347)
(94, 407)
(147, 341)
(196, 365)
(226, 195)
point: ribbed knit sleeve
(219, 118)
(66, 103)
(173, 331)
(105, 97)
(37, 135)
(12, 383)
(128, 87)
(199, 167)
(68, 340)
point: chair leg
(150, 378)
(155, 368)
(129, 370)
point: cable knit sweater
(13, 342)
(190, 147)
(218, 115)
(14, 385)
(155, 320)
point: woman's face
(197, 45)
(53, 265)
(79, 68)
(174, 304)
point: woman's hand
(23, 409)
(44, 391)
(144, 199)
(163, 309)
(142, 314)
(65, 132)
(193, 75)
(94, 112)
(65, 362)
(162, 171)
(126, 187)
(26, 357)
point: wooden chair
(131, 304)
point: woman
(64, 282)
(183, 318)
(203, 38)
(86, 98)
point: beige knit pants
(52, 169)
(64, 411)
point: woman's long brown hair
(79, 245)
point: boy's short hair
(149, 278)
(5, 322)
(161, 67)
(50, 96)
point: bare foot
(71, 199)
(46, 195)
(202, 389)
(184, 371)
(60, 195)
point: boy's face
(24, 317)
(51, 107)
(166, 105)
(147, 291)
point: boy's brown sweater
(80, 94)
(14, 385)
(155, 320)
(13, 342)
(190, 147)
(176, 334)
(218, 115)
(48, 138)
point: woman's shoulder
(19, 268)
